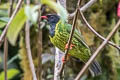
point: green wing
(77, 34)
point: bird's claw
(65, 60)
(71, 46)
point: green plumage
(59, 35)
(62, 33)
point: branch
(96, 33)
(58, 62)
(11, 8)
(39, 70)
(89, 4)
(71, 34)
(84, 8)
(9, 22)
(5, 57)
(97, 51)
(6, 44)
(27, 39)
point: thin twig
(71, 34)
(84, 8)
(39, 76)
(96, 33)
(97, 51)
(5, 57)
(27, 39)
(6, 44)
(9, 22)
(39, 54)
(11, 7)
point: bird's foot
(65, 60)
(71, 46)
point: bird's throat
(52, 30)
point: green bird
(59, 34)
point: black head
(52, 21)
(53, 18)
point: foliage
(15, 26)
(102, 16)
(3, 21)
(10, 73)
(32, 13)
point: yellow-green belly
(79, 50)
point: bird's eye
(52, 17)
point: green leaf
(32, 13)
(16, 26)
(56, 7)
(3, 21)
(10, 73)
(50, 76)
(3, 13)
(2, 24)
(12, 59)
(6, 6)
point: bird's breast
(59, 40)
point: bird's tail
(95, 69)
